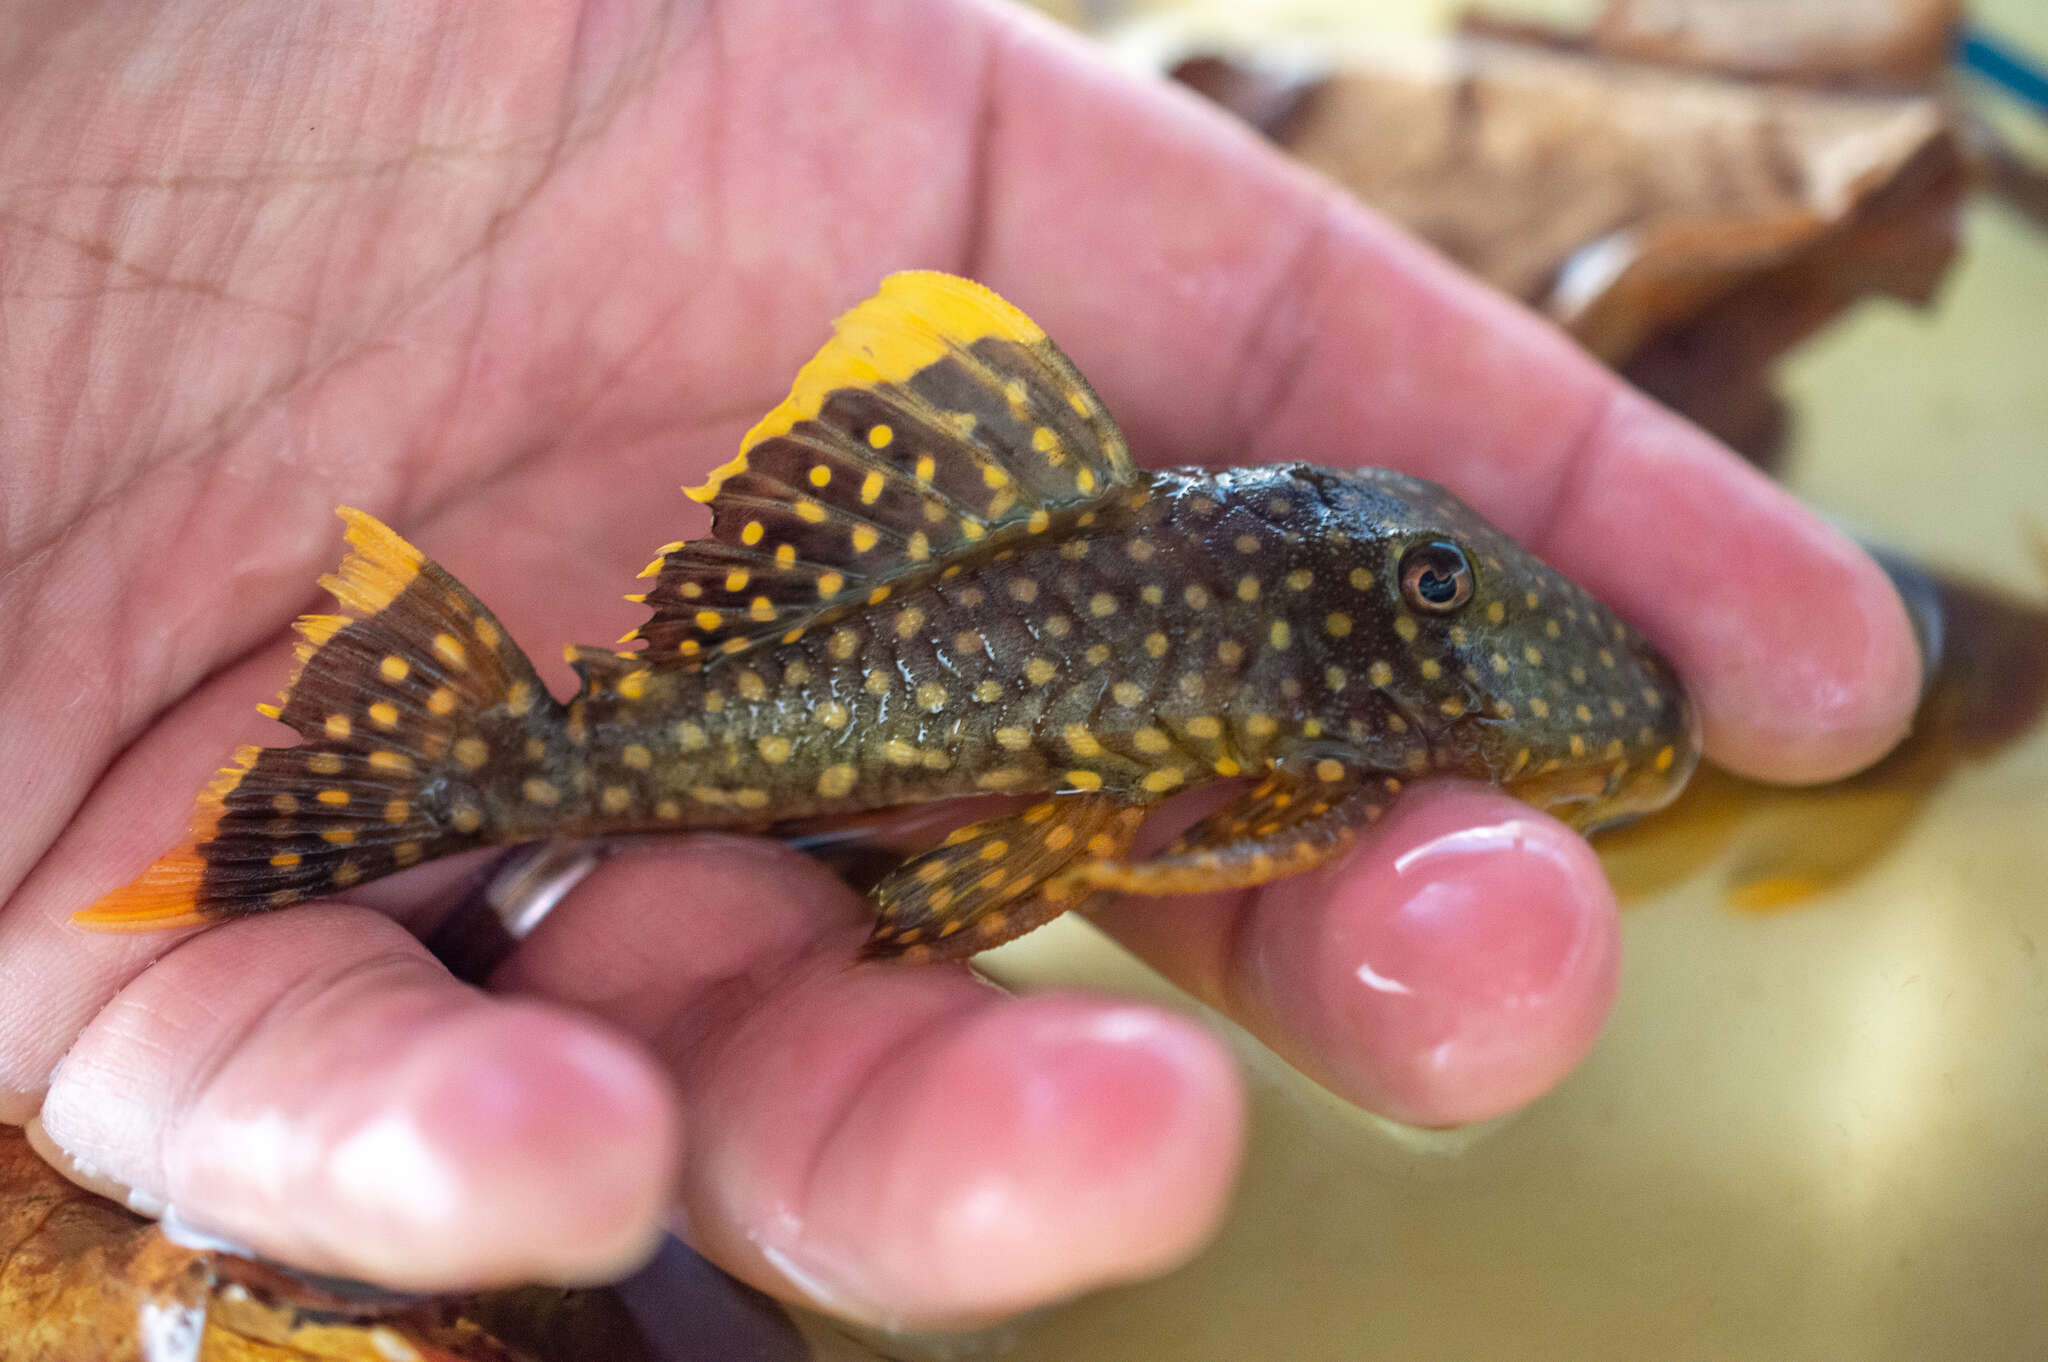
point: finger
(312, 1085)
(1233, 309)
(897, 1144)
(1455, 968)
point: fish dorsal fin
(938, 422)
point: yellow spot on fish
(615, 799)
(442, 701)
(1540, 707)
(836, 782)
(864, 538)
(1404, 625)
(1081, 742)
(338, 727)
(1039, 671)
(636, 756)
(1155, 645)
(390, 761)
(1329, 770)
(1380, 674)
(450, 650)
(1127, 693)
(1532, 655)
(1496, 612)
(1196, 597)
(909, 621)
(879, 435)
(1164, 779)
(1084, 780)
(932, 696)
(751, 534)
(285, 860)
(468, 818)
(1247, 588)
(750, 799)
(1360, 579)
(988, 692)
(1280, 635)
(394, 668)
(1301, 579)
(539, 791)
(384, 714)
(809, 511)
(1151, 741)
(1430, 668)
(690, 737)
(1230, 652)
(1205, 726)
(774, 749)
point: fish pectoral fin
(988, 881)
(1306, 812)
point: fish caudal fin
(401, 701)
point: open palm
(507, 277)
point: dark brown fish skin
(934, 570)
(1202, 627)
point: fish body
(935, 572)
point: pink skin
(502, 284)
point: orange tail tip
(167, 894)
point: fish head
(1512, 672)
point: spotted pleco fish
(934, 571)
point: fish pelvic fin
(412, 706)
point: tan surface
(1816, 1135)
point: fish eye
(1436, 578)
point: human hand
(508, 284)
